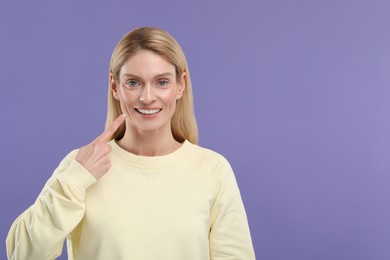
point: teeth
(148, 111)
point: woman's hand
(95, 156)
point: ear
(181, 85)
(113, 86)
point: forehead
(147, 64)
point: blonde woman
(143, 189)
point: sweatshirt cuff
(78, 175)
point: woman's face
(148, 91)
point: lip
(148, 112)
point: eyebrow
(165, 74)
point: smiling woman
(161, 44)
(143, 189)
(147, 91)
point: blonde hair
(183, 122)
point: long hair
(183, 122)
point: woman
(143, 189)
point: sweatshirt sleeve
(40, 231)
(230, 237)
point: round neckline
(150, 161)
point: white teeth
(148, 111)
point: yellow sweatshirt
(182, 206)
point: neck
(148, 143)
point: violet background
(294, 93)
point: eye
(162, 83)
(132, 83)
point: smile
(148, 111)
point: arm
(229, 235)
(40, 231)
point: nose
(147, 94)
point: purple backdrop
(294, 93)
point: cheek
(125, 103)
(125, 99)
(170, 98)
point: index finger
(111, 129)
